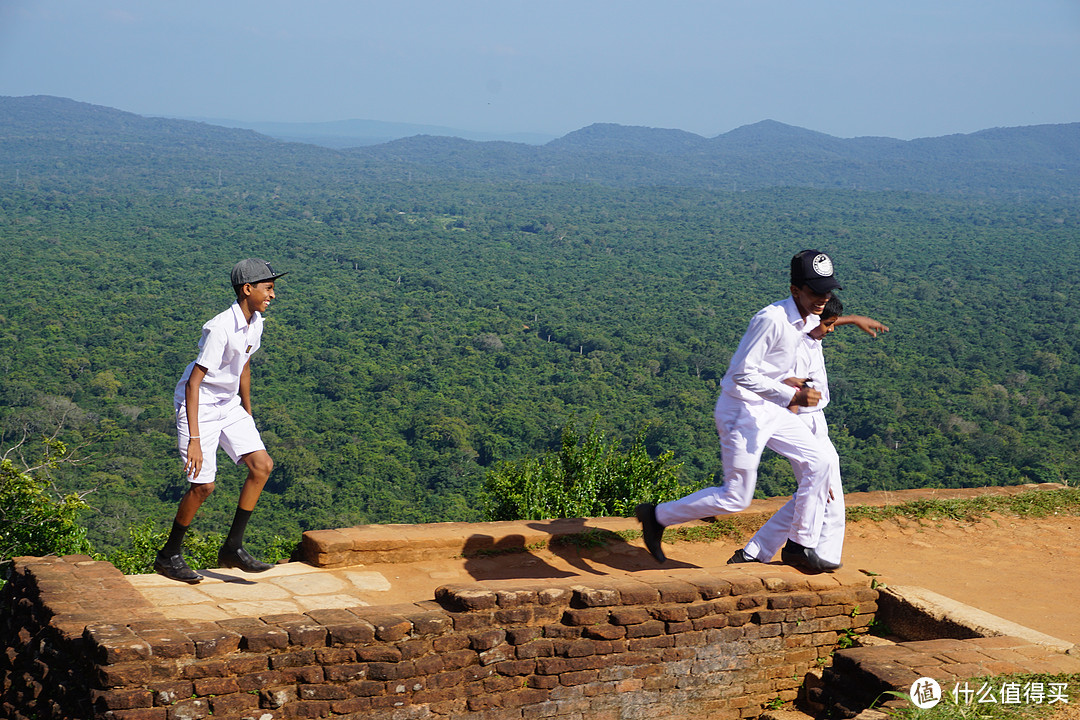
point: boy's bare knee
(201, 490)
(260, 464)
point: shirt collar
(796, 320)
(238, 316)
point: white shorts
(228, 425)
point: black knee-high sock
(236, 532)
(175, 543)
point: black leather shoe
(174, 568)
(651, 531)
(241, 560)
(796, 555)
(741, 556)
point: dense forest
(431, 328)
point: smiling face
(258, 295)
(808, 301)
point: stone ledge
(919, 614)
(373, 544)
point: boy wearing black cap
(213, 407)
(753, 412)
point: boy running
(752, 413)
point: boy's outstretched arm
(868, 325)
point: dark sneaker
(741, 556)
(806, 558)
(174, 568)
(241, 560)
(651, 530)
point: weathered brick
(235, 703)
(322, 692)
(292, 659)
(542, 647)
(629, 615)
(585, 616)
(430, 623)
(516, 667)
(241, 664)
(516, 598)
(123, 674)
(379, 653)
(190, 709)
(345, 672)
(156, 713)
(123, 699)
(356, 632)
(450, 643)
(520, 636)
(264, 638)
(307, 709)
(585, 596)
(466, 598)
(554, 596)
(646, 629)
(216, 686)
(112, 644)
(487, 639)
(277, 697)
(389, 628)
(367, 688)
(206, 668)
(167, 693)
(214, 642)
(605, 632)
(514, 616)
(391, 671)
(335, 655)
(260, 680)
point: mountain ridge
(1039, 159)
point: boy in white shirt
(213, 407)
(810, 365)
(752, 413)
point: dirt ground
(1027, 571)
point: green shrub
(587, 477)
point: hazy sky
(900, 68)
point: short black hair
(833, 308)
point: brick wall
(81, 643)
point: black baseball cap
(253, 270)
(814, 269)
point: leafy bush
(585, 478)
(34, 518)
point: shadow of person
(505, 558)
(583, 546)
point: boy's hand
(806, 396)
(868, 325)
(194, 463)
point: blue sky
(906, 69)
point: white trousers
(745, 431)
(773, 534)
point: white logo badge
(823, 265)
(925, 693)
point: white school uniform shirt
(228, 341)
(766, 355)
(810, 363)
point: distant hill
(356, 133)
(39, 132)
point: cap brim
(823, 285)
(265, 279)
